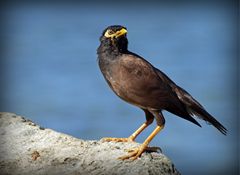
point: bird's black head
(114, 39)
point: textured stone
(26, 148)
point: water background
(50, 73)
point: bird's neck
(112, 49)
(108, 51)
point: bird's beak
(120, 32)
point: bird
(138, 82)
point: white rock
(26, 148)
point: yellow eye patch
(110, 34)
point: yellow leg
(130, 138)
(138, 151)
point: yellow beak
(121, 32)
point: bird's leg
(131, 138)
(135, 153)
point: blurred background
(50, 74)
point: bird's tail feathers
(204, 115)
(195, 108)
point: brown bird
(137, 82)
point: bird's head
(114, 32)
(115, 37)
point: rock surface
(26, 148)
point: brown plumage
(137, 82)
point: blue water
(51, 74)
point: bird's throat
(112, 47)
(109, 50)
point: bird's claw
(134, 153)
(153, 149)
(112, 139)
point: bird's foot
(110, 139)
(134, 153)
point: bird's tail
(195, 108)
(203, 114)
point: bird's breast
(130, 81)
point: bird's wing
(136, 81)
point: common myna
(137, 82)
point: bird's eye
(110, 32)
